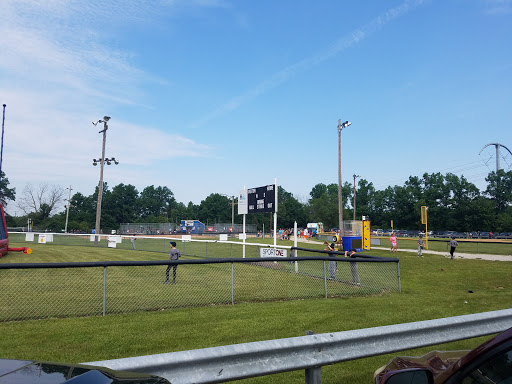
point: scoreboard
(262, 199)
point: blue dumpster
(350, 242)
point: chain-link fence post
(232, 290)
(104, 289)
(399, 283)
(325, 281)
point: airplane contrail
(285, 74)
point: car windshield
(497, 370)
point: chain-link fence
(47, 290)
(172, 228)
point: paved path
(458, 255)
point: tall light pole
(355, 195)
(67, 209)
(100, 186)
(340, 196)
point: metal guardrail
(240, 361)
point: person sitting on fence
(174, 254)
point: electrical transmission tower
(497, 145)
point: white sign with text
(272, 252)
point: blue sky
(213, 95)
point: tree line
(453, 204)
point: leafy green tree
(365, 198)
(499, 189)
(289, 210)
(6, 193)
(120, 205)
(404, 208)
(216, 208)
(504, 221)
(192, 212)
(463, 199)
(437, 198)
(82, 213)
(156, 201)
(318, 191)
(323, 205)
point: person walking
(420, 246)
(453, 244)
(174, 254)
(393, 241)
(353, 266)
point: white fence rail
(240, 361)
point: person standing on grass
(353, 266)
(174, 254)
(420, 246)
(332, 264)
(393, 241)
(453, 244)
(133, 242)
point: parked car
(491, 362)
(504, 235)
(30, 371)
(485, 235)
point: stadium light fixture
(102, 161)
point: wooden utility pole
(355, 195)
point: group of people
(394, 245)
(175, 254)
(333, 267)
(284, 234)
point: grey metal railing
(311, 352)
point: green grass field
(432, 287)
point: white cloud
(58, 73)
(498, 7)
(339, 46)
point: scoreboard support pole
(295, 245)
(243, 247)
(275, 213)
